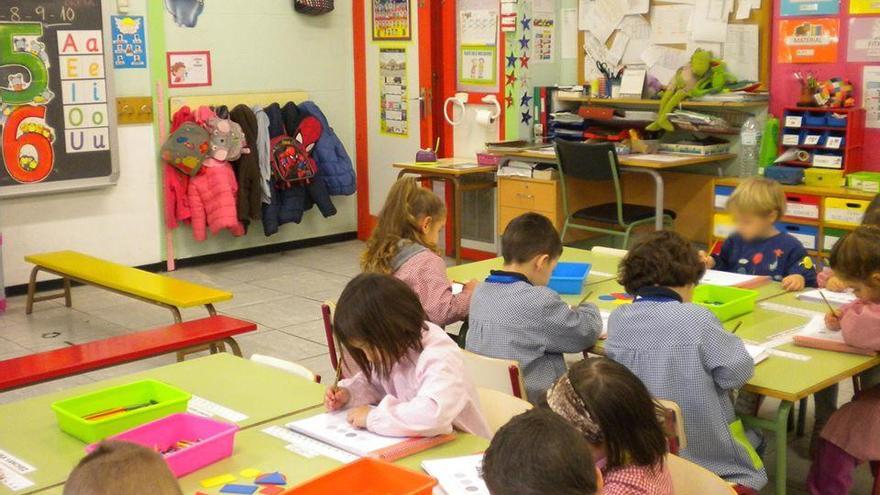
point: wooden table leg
(457, 206)
(32, 290)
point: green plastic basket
(70, 412)
(725, 302)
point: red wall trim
(362, 165)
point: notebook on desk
(758, 352)
(834, 298)
(458, 475)
(728, 279)
(333, 429)
(817, 336)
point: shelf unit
(620, 102)
(807, 129)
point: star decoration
(511, 60)
(526, 23)
(524, 79)
(525, 100)
(526, 117)
(524, 42)
(509, 100)
(511, 79)
(523, 61)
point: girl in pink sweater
(412, 380)
(852, 435)
(404, 244)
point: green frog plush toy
(703, 75)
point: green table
(29, 431)
(604, 267)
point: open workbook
(759, 353)
(834, 298)
(333, 429)
(817, 336)
(458, 475)
(728, 279)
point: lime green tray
(140, 402)
(726, 302)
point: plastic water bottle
(750, 141)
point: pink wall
(785, 89)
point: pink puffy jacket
(211, 196)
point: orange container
(368, 476)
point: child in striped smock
(404, 244)
(682, 353)
(614, 411)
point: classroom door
(399, 91)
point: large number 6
(27, 60)
(20, 162)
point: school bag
(186, 148)
(291, 158)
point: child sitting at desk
(851, 435)
(412, 380)
(404, 244)
(682, 353)
(615, 413)
(515, 316)
(757, 247)
(114, 468)
(538, 453)
(826, 278)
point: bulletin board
(477, 59)
(760, 17)
(58, 128)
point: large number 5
(27, 153)
(27, 60)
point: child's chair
(499, 407)
(691, 479)
(673, 426)
(502, 375)
(288, 366)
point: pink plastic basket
(215, 440)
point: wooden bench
(213, 331)
(149, 287)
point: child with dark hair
(114, 468)
(515, 316)
(682, 353)
(538, 453)
(412, 380)
(851, 435)
(616, 414)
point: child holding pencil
(851, 435)
(412, 380)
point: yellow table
(28, 429)
(446, 170)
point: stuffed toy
(702, 76)
(226, 139)
(186, 12)
(186, 148)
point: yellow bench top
(133, 281)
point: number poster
(391, 20)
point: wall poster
(392, 20)
(478, 65)
(128, 41)
(393, 92)
(808, 41)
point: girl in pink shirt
(614, 411)
(412, 380)
(852, 434)
(404, 244)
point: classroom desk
(628, 163)
(444, 171)
(604, 268)
(28, 428)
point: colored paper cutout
(245, 489)
(271, 490)
(808, 41)
(250, 473)
(217, 480)
(271, 479)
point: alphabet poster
(55, 121)
(808, 41)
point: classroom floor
(281, 292)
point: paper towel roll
(484, 117)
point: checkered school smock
(682, 353)
(512, 319)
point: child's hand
(357, 417)
(471, 286)
(834, 284)
(336, 398)
(832, 321)
(707, 259)
(793, 283)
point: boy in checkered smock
(513, 315)
(682, 353)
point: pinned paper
(217, 481)
(670, 24)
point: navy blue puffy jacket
(334, 164)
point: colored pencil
(736, 327)
(714, 245)
(830, 307)
(585, 298)
(338, 370)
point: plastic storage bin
(834, 119)
(823, 178)
(845, 211)
(215, 440)
(568, 278)
(806, 234)
(864, 181)
(831, 236)
(784, 175)
(69, 412)
(802, 206)
(368, 476)
(725, 302)
(722, 194)
(722, 225)
(815, 119)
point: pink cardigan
(211, 196)
(425, 274)
(427, 393)
(855, 428)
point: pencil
(338, 370)
(585, 298)
(736, 327)
(830, 307)
(714, 245)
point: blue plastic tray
(568, 278)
